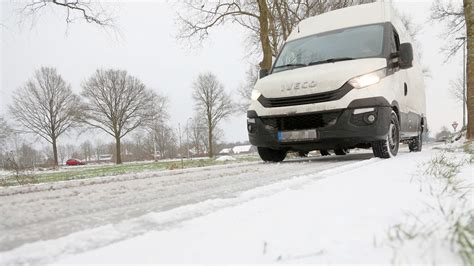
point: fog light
(371, 118)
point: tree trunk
(264, 35)
(210, 152)
(469, 15)
(55, 153)
(118, 154)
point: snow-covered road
(350, 209)
(64, 210)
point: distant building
(244, 149)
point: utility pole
(464, 81)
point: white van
(344, 79)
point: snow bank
(11, 190)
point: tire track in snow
(114, 206)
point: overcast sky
(146, 48)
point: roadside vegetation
(446, 227)
(22, 177)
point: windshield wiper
(330, 60)
(291, 65)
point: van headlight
(255, 95)
(368, 79)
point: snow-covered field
(320, 210)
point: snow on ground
(4, 173)
(341, 215)
(225, 158)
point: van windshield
(344, 44)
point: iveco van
(344, 79)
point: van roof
(377, 12)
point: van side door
(399, 80)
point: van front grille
(298, 122)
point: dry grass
(451, 218)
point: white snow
(225, 158)
(4, 173)
(342, 215)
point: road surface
(51, 214)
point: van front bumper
(344, 128)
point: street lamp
(464, 81)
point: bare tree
(46, 106)
(89, 11)
(158, 129)
(165, 140)
(269, 22)
(457, 89)
(443, 134)
(99, 148)
(452, 15)
(66, 152)
(86, 150)
(196, 132)
(5, 132)
(212, 102)
(117, 103)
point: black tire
(324, 152)
(341, 151)
(416, 144)
(271, 155)
(389, 148)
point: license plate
(297, 135)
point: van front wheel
(389, 148)
(271, 155)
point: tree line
(117, 103)
(269, 23)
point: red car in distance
(72, 162)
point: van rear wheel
(416, 144)
(341, 151)
(389, 148)
(271, 155)
(324, 153)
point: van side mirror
(263, 73)
(406, 55)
